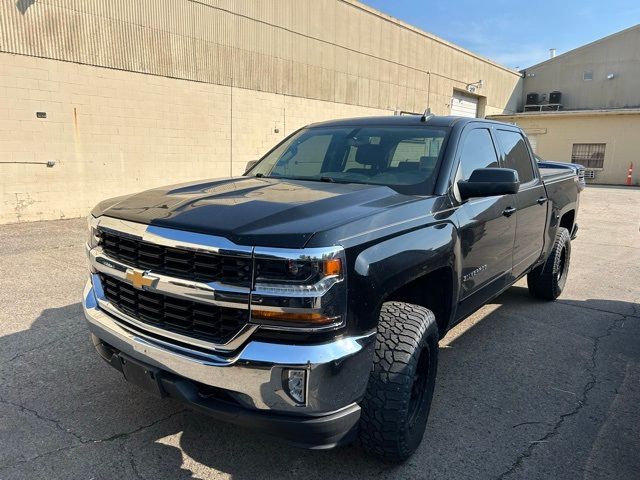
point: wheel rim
(562, 265)
(419, 386)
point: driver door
(486, 227)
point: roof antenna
(427, 115)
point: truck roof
(388, 120)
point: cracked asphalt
(526, 389)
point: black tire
(548, 280)
(396, 404)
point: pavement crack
(35, 413)
(42, 345)
(80, 441)
(132, 462)
(582, 401)
(531, 423)
(39, 456)
(118, 436)
(62, 428)
(635, 314)
(134, 467)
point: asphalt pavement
(526, 389)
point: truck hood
(254, 211)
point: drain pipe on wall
(231, 132)
(428, 89)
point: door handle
(542, 200)
(507, 212)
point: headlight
(93, 235)
(297, 289)
(294, 271)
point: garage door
(463, 105)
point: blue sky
(516, 33)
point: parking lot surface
(525, 389)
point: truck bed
(556, 174)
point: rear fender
(563, 199)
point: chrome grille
(185, 317)
(177, 262)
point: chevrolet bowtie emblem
(138, 279)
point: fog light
(295, 384)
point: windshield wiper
(325, 179)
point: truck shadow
(501, 379)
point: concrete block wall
(113, 132)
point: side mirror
(487, 182)
(250, 165)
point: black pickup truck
(306, 298)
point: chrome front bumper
(337, 371)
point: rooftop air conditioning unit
(555, 97)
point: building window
(587, 75)
(590, 155)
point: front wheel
(548, 280)
(398, 397)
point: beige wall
(334, 50)
(112, 132)
(618, 54)
(556, 134)
(142, 94)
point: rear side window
(477, 152)
(516, 154)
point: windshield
(405, 158)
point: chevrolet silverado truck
(306, 298)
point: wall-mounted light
(611, 76)
(472, 87)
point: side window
(516, 154)
(477, 152)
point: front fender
(381, 269)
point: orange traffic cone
(629, 174)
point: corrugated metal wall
(332, 50)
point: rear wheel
(548, 280)
(398, 398)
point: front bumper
(337, 376)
